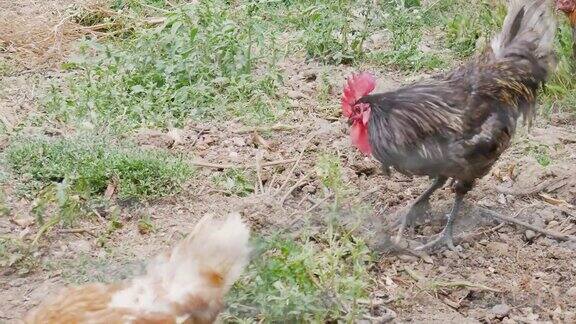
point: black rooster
(458, 124)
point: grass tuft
(88, 166)
(199, 64)
(318, 278)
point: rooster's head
(358, 86)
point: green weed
(476, 23)
(408, 22)
(16, 256)
(540, 153)
(88, 165)
(329, 172)
(71, 172)
(199, 64)
(560, 91)
(315, 279)
(235, 182)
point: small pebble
(498, 248)
(530, 235)
(407, 258)
(553, 224)
(451, 255)
(539, 274)
(238, 141)
(500, 310)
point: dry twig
(259, 171)
(554, 235)
(528, 191)
(435, 285)
(302, 214)
(234, 166)
(87, 230)
(300, 156)
(279, 127)
(294, 187)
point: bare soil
(502, 274)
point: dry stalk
(558, 236)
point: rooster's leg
(419, 206)
(446, 235)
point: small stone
(553, 224)
(310, 188)
(539, 274)
(295, 94)
(451, 255)
(571, 292)
(23, 221)
(500, 310)
(497, 248)
(80, 246)
(238, 141)
(294, 104)
(407, 258)
(154, 138)
(234, 155)
(530, 235)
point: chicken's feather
(188, 283)
(458, 124)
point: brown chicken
(185, 285)
(456, 125)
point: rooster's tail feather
(529, 26)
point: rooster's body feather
(456, 125)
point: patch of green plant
(16, 256)
(560, 91)
(331, 35)
(331, 32)
(540, 153)
(86, 166)
(199, 64)
(407, 23)
(474, 21)
(318, 278)
(329, 172)
(235, 181)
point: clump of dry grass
(40, 33)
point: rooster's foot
(416, 211)
(419, 207)
(444, 238)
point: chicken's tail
(191, 280)
(528, 31)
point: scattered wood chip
(23, 221)
(259, 141)
(279, 127)
(111, 189)
(555, 201)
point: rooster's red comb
(357, 86)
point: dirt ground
(504, 273)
